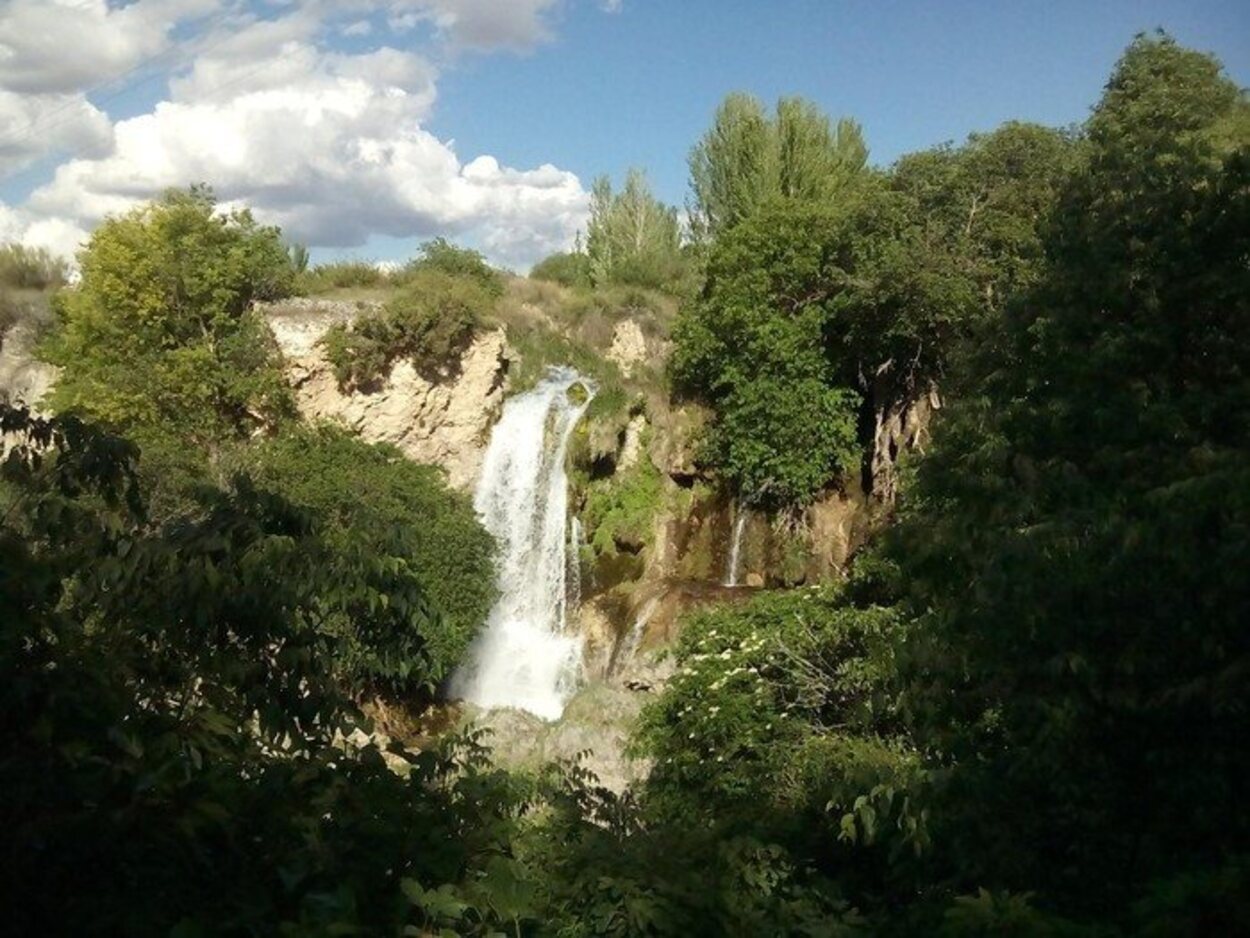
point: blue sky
(366, 126)
(639, 88)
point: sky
(364, 127)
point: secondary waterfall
(524, 658)
(735, 548)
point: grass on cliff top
(546, 324)
(552, 325)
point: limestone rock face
(23, 378)
(674, 445)
(629, 346)
(445, 422)
(631, 448)
(900, 427)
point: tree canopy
(747, 159)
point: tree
(1075, 542)
(27, 268)
(460, 263)
(752, 347)
(569, 269)
(632, 237)
(745, 160)
(172, 716)
(159, 338)
(989, 202)
(809, 314)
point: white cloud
(53, 51)
(61, 46)
(479, 24)
(34, 124)
(329, 145)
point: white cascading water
(573, 588)
(524, 658)
(735, 548)
(629, 645)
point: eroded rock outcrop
(629, 347)
(24, 379)
(445, 422)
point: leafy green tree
(159, 338)
(632, 238)
(747, 160)
(814, 322)
(373, 502)
(989, 202)
(173, 753)
(1077, 541)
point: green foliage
(430, 322)
(299, 257)
(569, 269)
(784, 705)
(159, 338)
(372, 502)
(781, 441)
(171, 716)
(29, 268)
(809, 314)
(989, 202)
(340, 275)
(753, 348)
(747, 160)
(632, 238)
(456, 262)
(619, 511)
(1076, 541)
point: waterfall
(573, 591)
(629, 645)
(523, 658)
(735, 548)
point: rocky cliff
(23, 378)
(444, 422)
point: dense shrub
(372, 500)
(569, 269)
(786, 704)
(441, 256)
(430, 321)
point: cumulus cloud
(61, 46)
(53, 51)
(34, 124)
(478, 24)
(330, 145)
